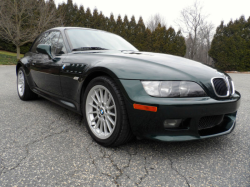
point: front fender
(25, 64)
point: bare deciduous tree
(192, 21)
(206, 35)
(154, 21)
(21, 21)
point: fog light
(172, 123)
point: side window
(36, 42)
(54, 39)
(41, 40)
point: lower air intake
(210, 121)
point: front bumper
(149, 125)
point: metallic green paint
(136, 93)
(128, 68)
(149, 66)
(150, 125)
(226, 129)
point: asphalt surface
(42, 144)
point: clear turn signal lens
(152, 87)
(166, 88)
(184, 88)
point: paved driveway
(42, 144)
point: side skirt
(73, 106)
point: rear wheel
(105, 113)
(23, 89)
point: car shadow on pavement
(177, 149)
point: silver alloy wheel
(101, 112)
(20, 83)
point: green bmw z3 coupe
(124, 93)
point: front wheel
(105, 113)
(23, 89)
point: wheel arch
(18, 66)
(23, 63)
(97, 72)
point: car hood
(155, 66)
(147, 66)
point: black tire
(27, 93)
(122, 132)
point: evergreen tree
(112, 23)
(140, 34)
(168, 41)
(169, 36)
(119, 25)
(161, 40)
(158, 37)
(147, 45)
(106, 23)
(70, 13)
(125, 32)
(174, 43)
(62, 9)
(96, 24)
(230, 47)
(180, 46)
(103, 22)
(52, 4)
(88, 18)
(80, 17)
(132, 31)
(75, 18)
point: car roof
(64, 28)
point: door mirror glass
(44, 49)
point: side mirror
(44, 49)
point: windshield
(87, 38)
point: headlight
(173, 89)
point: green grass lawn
(8, 58)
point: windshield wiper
(88, 48)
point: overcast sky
(218, 10)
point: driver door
(46, 71)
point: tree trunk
(18, 52)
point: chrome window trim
(227, 83)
